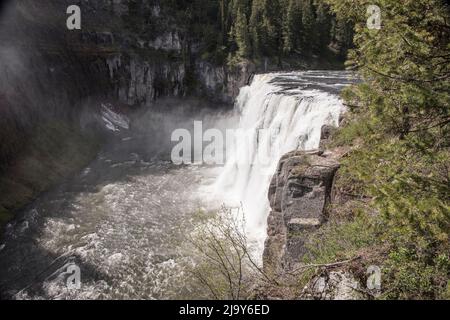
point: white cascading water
(122, 218)
(292, 109)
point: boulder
(335, 285)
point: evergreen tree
(308, 20)
(401, 133)
(256, 28)
(258, 36)
(241, 35)
(341, 36)
(322, 28)
(223, 7)
(292, 27)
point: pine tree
(341, 36)
(273, 25)
(258, 36)
(223, 7)
(322, 28)
(308, 19)
(401, 160)
(241, 35)
(292, 27)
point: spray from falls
(279, 113)
(132, 194)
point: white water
(121, 219)
(292, 108)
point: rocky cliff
(302, 196)
(129, 52)
(54, 80)
(126, 52)
(299, 194)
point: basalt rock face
(127, 52)
(148, 54)
(140, 46)
(299, 195)
(221, 83)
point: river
(120, 220)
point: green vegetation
(397, 174)
(55, 150)
(400, 159)
(259, 30)
(338, 241)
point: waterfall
(279, 113)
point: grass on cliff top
(55, 150)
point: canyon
(104, 100)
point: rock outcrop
(334, 285)
(149, 54)
(299, 195)
(302, 196)
(50, 72)
(222, 83)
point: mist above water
(121, 219)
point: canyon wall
(53, 82)
(124, 54)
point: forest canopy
(254, 29)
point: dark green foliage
(292, 27)
(401, 139)
(255, 29)
(341, 36)
(323, 25)
(265, 24)
(308, 18)
(241, 35)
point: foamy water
(279, 113)
(121, 220)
